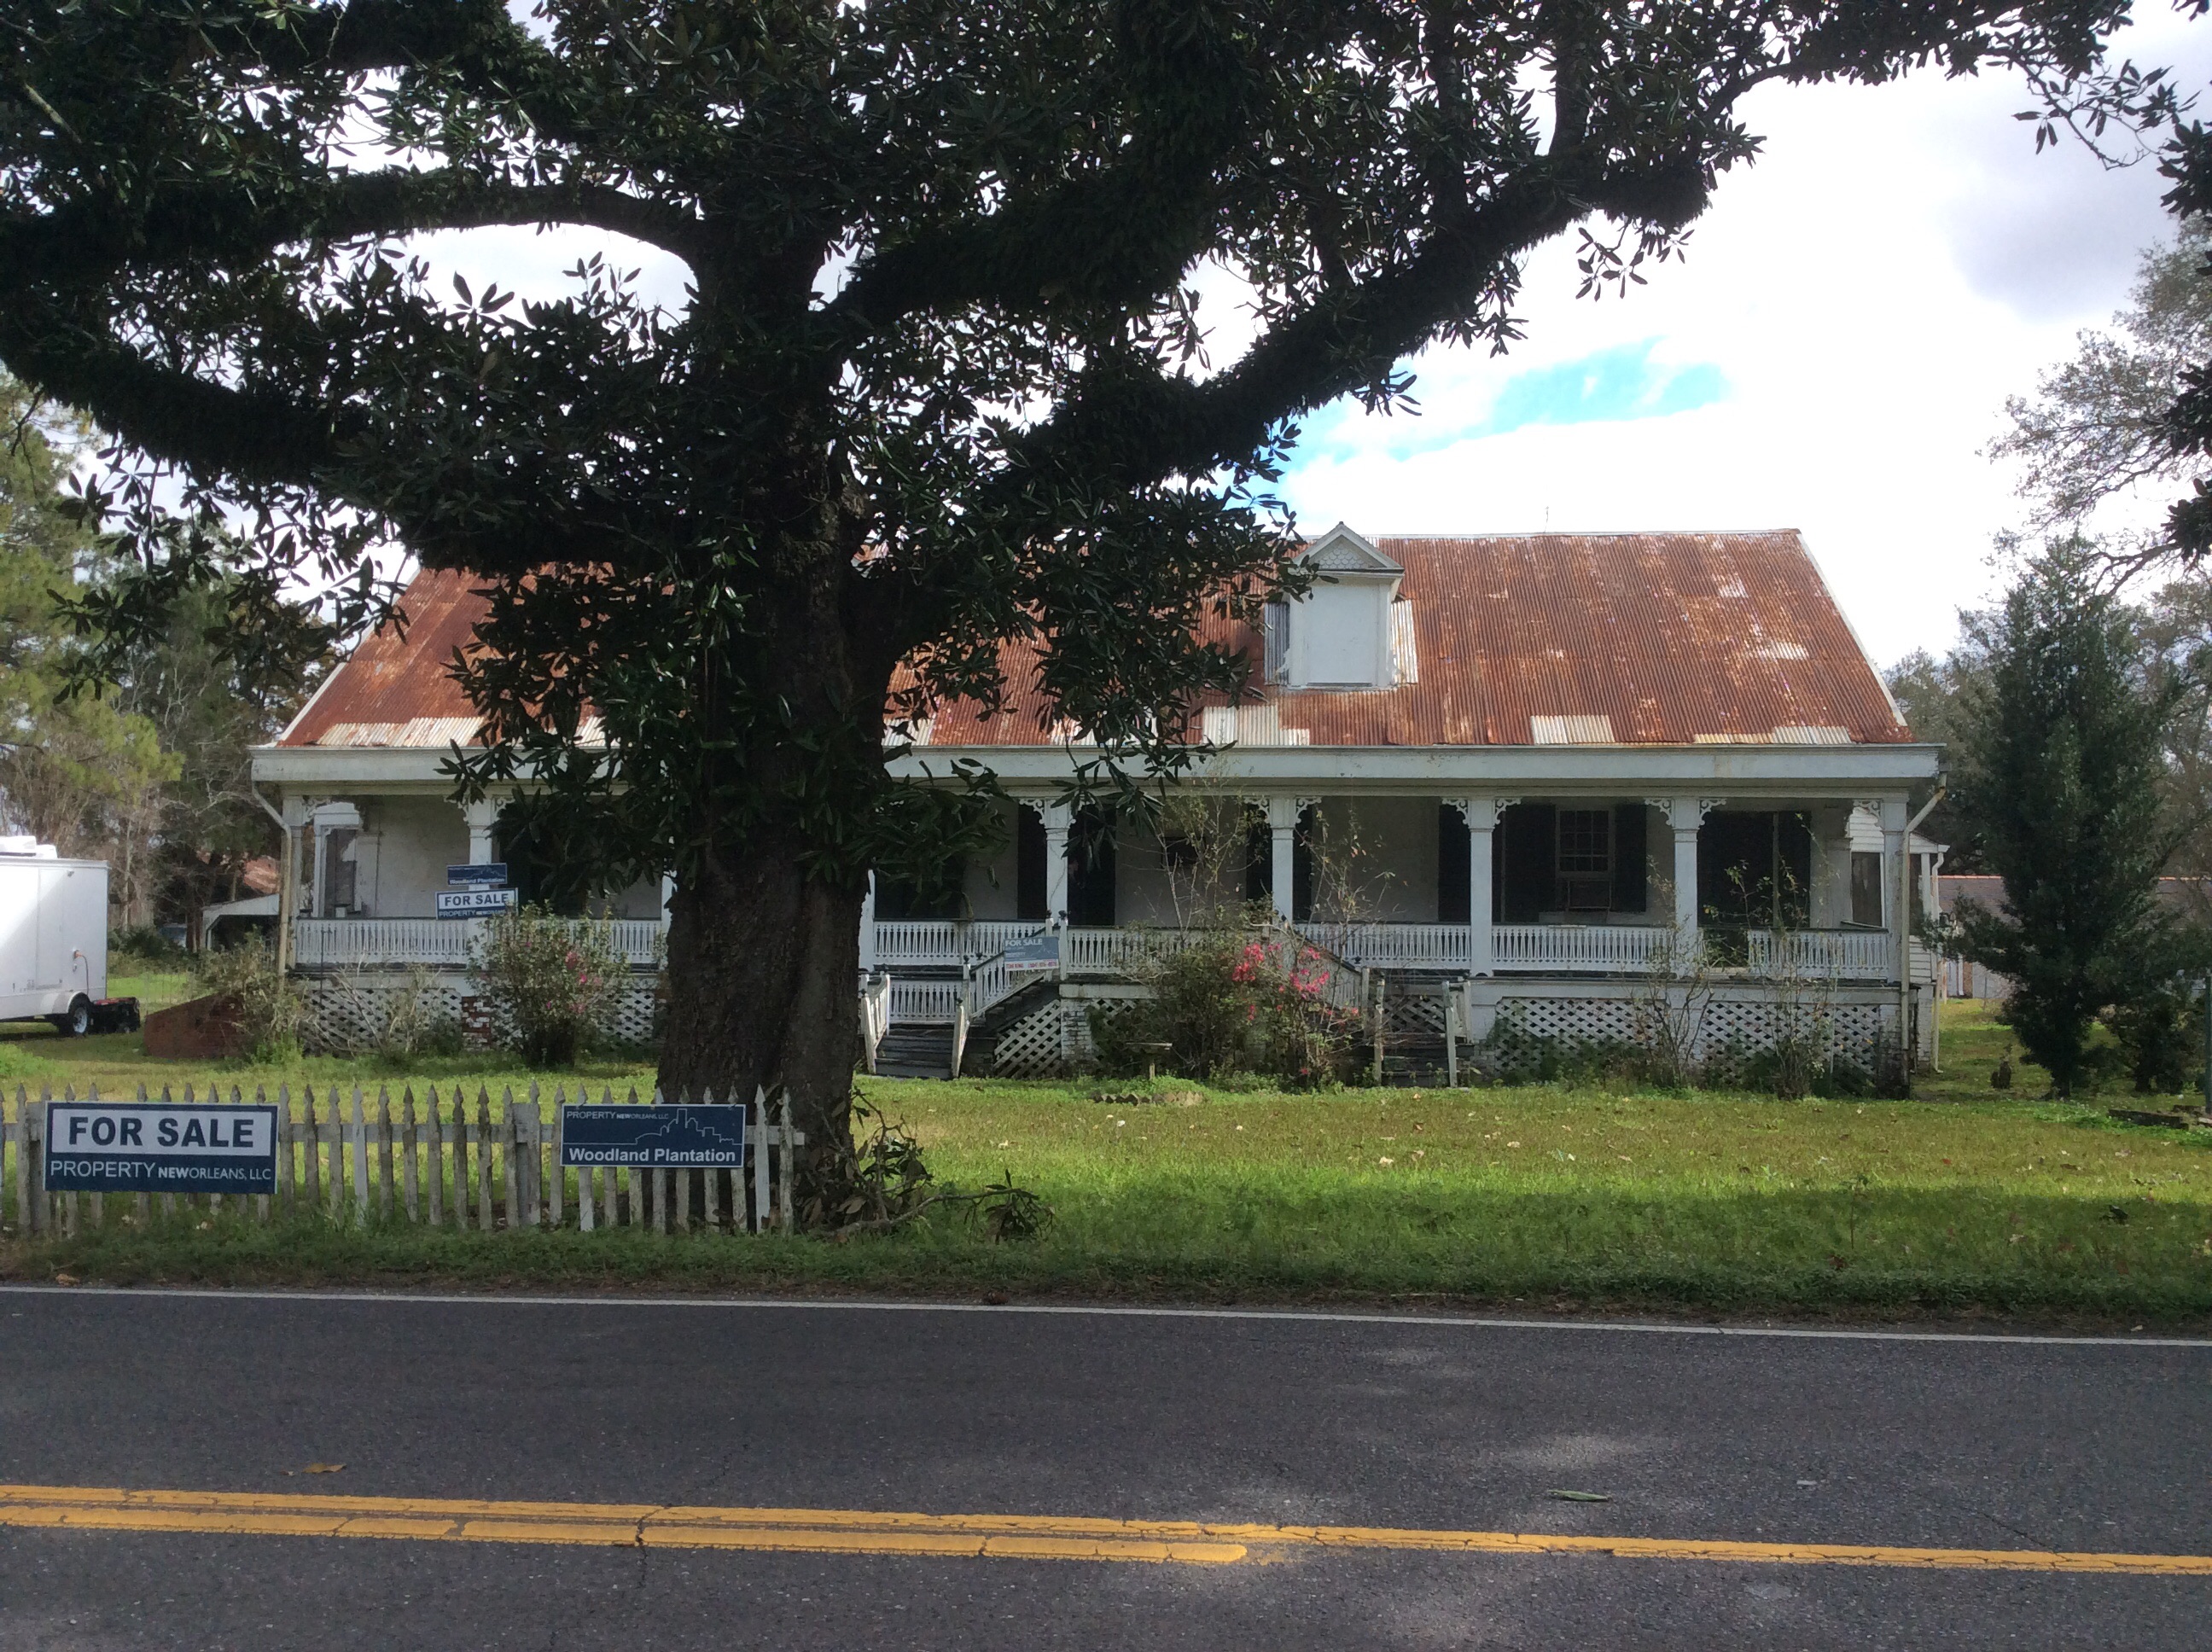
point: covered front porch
(1469, 885)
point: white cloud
(1869, 292)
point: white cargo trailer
(53, 941)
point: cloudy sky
(1833, 355)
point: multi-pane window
(1585, 859)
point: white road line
(1296, 1315)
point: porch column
(481, 815)
(1481, 815)
(868, 928)
(1056, 816)
(1685, 815)
(1896, 896)
(1283, 816)
(294, 817)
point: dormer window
(1340, 633)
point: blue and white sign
(685, 1136)
(1033, 952)
(473, 902)
(145, 1148)
(490, 875)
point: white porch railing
(930, 945)
(1825, 955)
(1600, 948)
(440, 943)
(1394, 946)
(932, 1002)
(1103, 951)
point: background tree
(2062, 765)
(939, 384)
(1932, 694)
(2098, 428)
(80, 772)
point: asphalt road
(1971, 1444)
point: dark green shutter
(1629, 890)
(1530, 833)
(1452, 870)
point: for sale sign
(148, 1148)
(473, 902)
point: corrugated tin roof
(1670, 639)
(396, 690)
(1665, 639)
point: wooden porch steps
(915, 1049)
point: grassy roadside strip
(1596, 1196)
(1522, 1196)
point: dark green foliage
(2158, 1029)
(2063, 769)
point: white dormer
(1339, 634)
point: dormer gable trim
(1343, 555)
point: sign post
(147, 1148)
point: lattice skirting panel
(1728, 1033)
(354, 1012)
(1414, 1018)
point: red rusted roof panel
(393, 680)
(1671, 638)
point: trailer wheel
(77, 1021)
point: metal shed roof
(1628, 639)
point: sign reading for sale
(147, 1148)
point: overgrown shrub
(271, 1010)
(1235, 1003)
(144, 949)
(406, 1020)
(2159, 1032)
(550, 983)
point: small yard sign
(145, 1148)
(490, 875)
(1033, 952)
(682, 1137)
(473, 902)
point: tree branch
(253, 436)
(1142, 424)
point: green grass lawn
(1960, 1201)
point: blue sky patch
(1610, 385)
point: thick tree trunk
(763, 965)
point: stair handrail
(1343, 985)
(875, 1012)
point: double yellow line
(844, 1531)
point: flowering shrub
(1239, 1004)
(550, 983)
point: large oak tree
(938, 385)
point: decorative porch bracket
(1686, 815)
(1056, 817)
(1481, 815)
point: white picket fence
(378, 1160)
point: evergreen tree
(2062, 765)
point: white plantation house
(1536, 776)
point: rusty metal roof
(1631, 638)
(396, 690)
